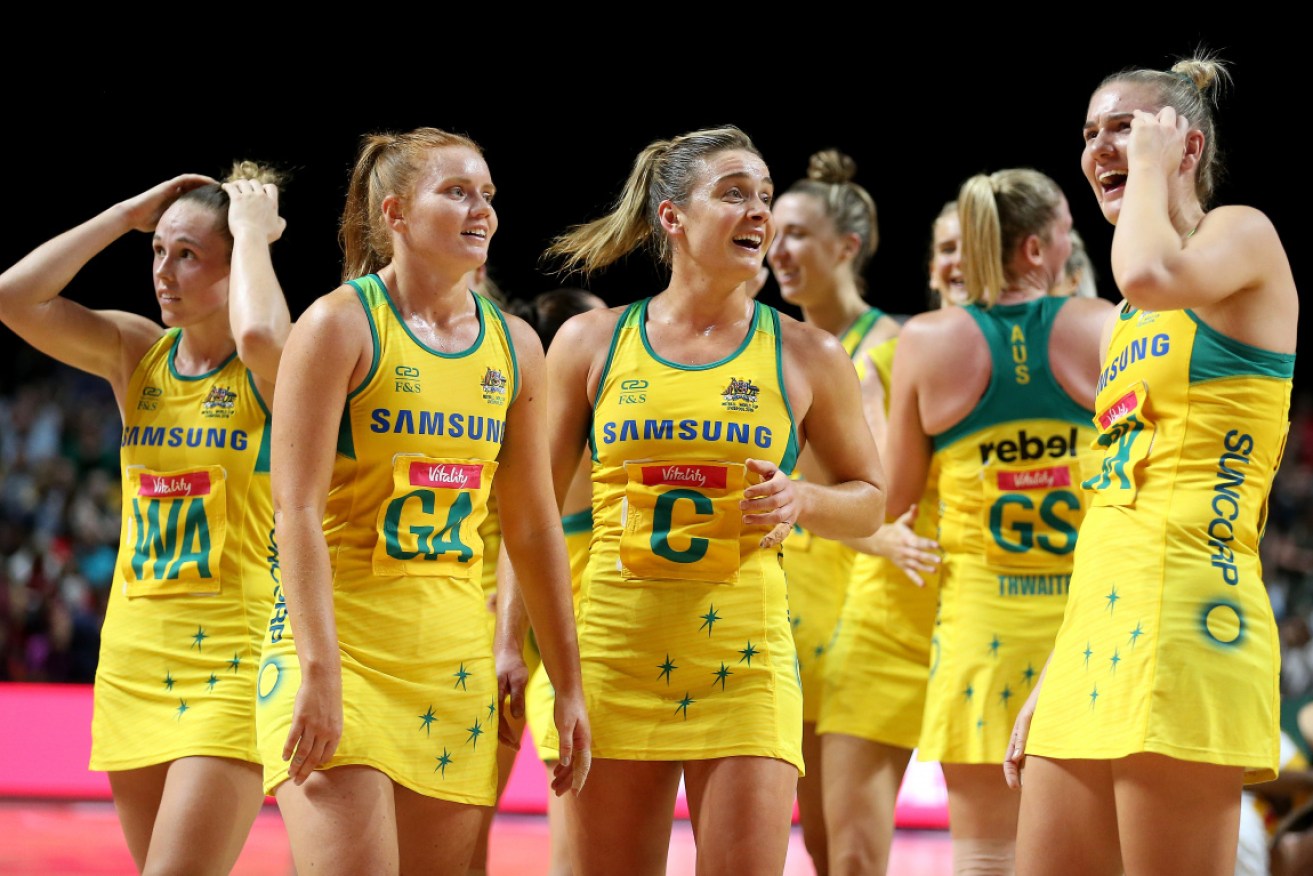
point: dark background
(560, 131)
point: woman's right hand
(1014, 762)
(144, 211)
(898, 542)
(316, 724)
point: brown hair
(386, 164)
(849, 206)
(666, 170)
(212, 197)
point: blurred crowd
(60, 516)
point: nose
(1101, 145)
(163, 266)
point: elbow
(1146, 288)
(256, 344)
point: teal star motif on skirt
(1136, 633)
(818, 651)
(1088, 655)
(199, 638)
(1006, 695)
(168, 681)
(980, 725)
(212, 681)
(666, 668)
(1094, 697)
(460, 675)
(795, 622)
(426, 721)
(684, 704)
(443, 762)
(993, 646)
(1115, 659)
(1112, 598)
(492, 709)
(475, 732)
(721, 674)
(182, 708)
(1028, 675)
(235, 663)
(968, 693)
(709, 619)
(748, 653)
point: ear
(393, 212)
(671, 221)
(1194, 150)
(1032, 249)
(851, 245)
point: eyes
(459, 193)
(184, 253)
(737, 195)
(1115, 126)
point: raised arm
(257, 308)
(107, 343)
(319, 365)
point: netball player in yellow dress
(174, 715)
(404, 392)
(997, 393)
(695, 403)
(1160, 700)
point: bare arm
(107, 343)
(850, 502)
(534, 476)
(1232, 264)
(322, 354)
(257, 308)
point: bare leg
(982, 819)
(811, 812)
(862, 779)
(1177, 816)
(1068, 819)
(620, 822)
(435, 837)
(505, 762)
(191, 815)
(558, 859)
(742, 812)
(342, 820)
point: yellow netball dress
(1010, 508)
(683, 620)
(415, 461)
(1169, 643)
(539, 695)
(817, 570)
(881, 647)
(193, 586)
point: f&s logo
(406, 379)
(633, 391)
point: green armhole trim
(579, 521)
(369, 291)
(632, 312)
(1218, 356)
(262, 458)
(789, 458)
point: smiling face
(449, 216)
(946, 260)
(192, 263)
(808, 255)
(1107, 130)
(726, 223)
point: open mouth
(751, 241)
(1111, 180)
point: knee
(984, 857)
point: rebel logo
(1027, 447)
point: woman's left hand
(772, 501)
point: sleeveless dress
(881, 647)
(683, 620)
(1169, 643)
(193, 585)
(1011, 507)
(818, 570)
(417, 452)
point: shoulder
(590, 327)
(337, 314)
(803, 338)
